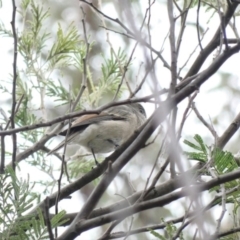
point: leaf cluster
(16, 199)
(221, 161)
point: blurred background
(50, 68)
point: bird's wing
(61, 144)
(83, 122)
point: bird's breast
(105, 136)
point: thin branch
(176, 5)
(185, 114)
(233, 26)
(225, 233)
(136, 36)
(173, 47)
(182, 88)
(47, 219)
(191, 54)
(17, 108)
(224, 199)
(183, 24)
(144, 192)
(63, 162)
(157, 176)
(205, 123)
(198, 31)
(130, 147)
(2, 166)
(158, 191)
(126, 67)
(14, 84)
(71, 115)
(159, 114)
(229, 132)
(214, 43)
(106, 234)
(82, 226)
(149, 69)
(223, 27)
(204, 76)
(173, 83)
(85, 60)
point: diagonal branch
(229, 132)
(158, 117)
(82, 226)
(214, 43)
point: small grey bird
(104, 132)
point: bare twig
(14, 84)
(173, 47)
(144, 78)
(162, 169)
(198, 28)
(129, 61)
(223, 39)
(180, 229)
(137, 36)
(106, 234)
(225, 233)
(173, 83)
(73, 115)
(161, 201)
(2, 166)
(85, 60)
(17, 108)
(224, 198)
(185, 114)
(47, 219)
(229, 132)
(62, 164)
(183, 25)
(190, 55)
(144, 192)
(214, 43)
(205, 123)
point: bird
(104, 132)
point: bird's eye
(142, 110)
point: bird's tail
(59, 146)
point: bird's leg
(97, 163)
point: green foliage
(81, 165)
(66, 43)
(111, 76)
(157, 235)
(222, 162)
(169, 232)
(4, 31)
(33, 37)
(201, 150)
(77, 167)
(58, 91)
(230, 237)
(16, 199)
(44, 52)
(43, 55)
(208, 5)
